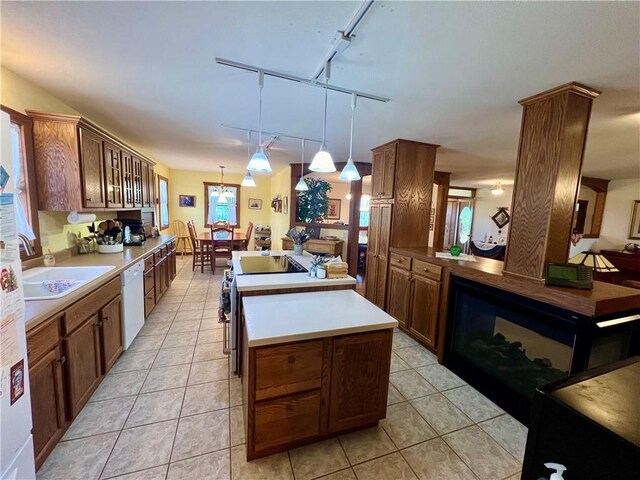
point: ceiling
(453, 71)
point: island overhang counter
(315, 365)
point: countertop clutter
(38, 311)
(305, 316)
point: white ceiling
(454, 73)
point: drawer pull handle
(62, 360)
(291, 359)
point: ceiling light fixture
(302, 186)
(220, 191)
(259, 162)
(350, 172)
(322, 161)
(497, 189)
(248, 180)
(348, 196)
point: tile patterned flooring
(170, 410)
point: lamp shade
(248, 180)
(322, 162)
(301, 186)
(259, 162)
(497, 189)
(594, 260)
(349, 172)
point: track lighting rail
(272, 134)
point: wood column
(552, 141)
(442, 180)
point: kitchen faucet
(26, 244)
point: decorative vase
(456, 251)
(297, 249)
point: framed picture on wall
(501, 218)
(285, 205)
(187, 200)
(334, 209)
(634, 230)
(255, 204)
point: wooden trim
(406, 141)
(600, 186)
(160, 177)
(442, 180)
(32, 189)
(206, 201)
(571, 87)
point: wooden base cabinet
(301, 392)
(46, 387)
(425, 302)
(111, 333)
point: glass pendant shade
(322, 162)
(215, 193)
(301, 186)
(259, 162)
(497, 189)
(349, 172)
(248, 180)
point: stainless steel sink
(47, 283)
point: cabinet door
(137, 182)
(161, 275)
(82, 350)
(370, 287)
(359, 379)
(47, 403)
(111, 333)
(92, 170)
(127, 179)
(113, 170)
(424, 309)
(377, 172)
(388, 172)
(382, 256)
(149, 301)
(399, 294)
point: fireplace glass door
(520, 347)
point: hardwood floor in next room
(170, 410)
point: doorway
(459, 218)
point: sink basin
(48, 283)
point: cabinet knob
(100, 324)
(289, 409)
(291, 359)
(87, 199)
(62, 360)
(425, 269)
(399, 261)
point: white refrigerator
(16, 441)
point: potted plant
(298, 237)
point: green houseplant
(313, 205)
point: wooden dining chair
(201, 252)
(223, 247)
(245, 244)
(179, 229)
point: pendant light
(322, 161)
(259, 162)
(302, 186)
(221, 192)
(497, 189)
(350, 172)
(248, 180)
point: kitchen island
(315, 365)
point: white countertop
(274, 281)
(273, 319)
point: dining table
(239, 238)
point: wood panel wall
(552, 142)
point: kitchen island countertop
(274, 319)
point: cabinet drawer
(286, 420)
(43, 338)
(400, 261)
(427, 269)
(89, 305)
(149, 281)
(149, 302)
(288, 369)
(148, 262)
(320, 248)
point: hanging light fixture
(259, 162)
(322, 161)
(302, 186)
(248, 180)
(221, 191)
(497, 189)
(350, 172)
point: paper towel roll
(75, 218)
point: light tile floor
(170, 410)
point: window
(163, 201)
(22, 171)
(219, 208)
(364, 211)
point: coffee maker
(134, 233)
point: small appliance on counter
(134, 234)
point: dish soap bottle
(49, 259)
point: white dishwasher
(133, 301)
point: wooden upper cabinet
(127, 179)
(92, 169)
(383, 172)
(80, 167)
(148, 186)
